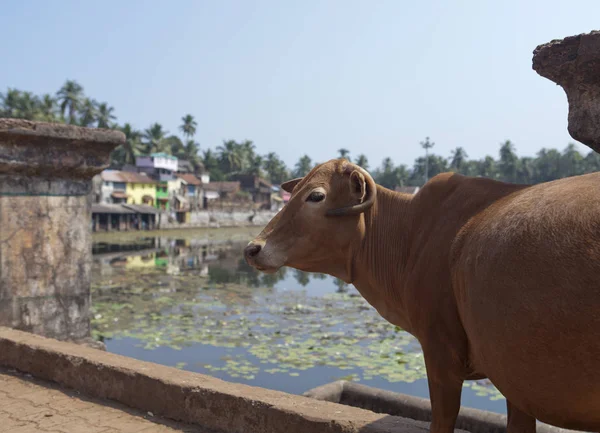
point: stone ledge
(417, 408)
(60, 131)
(185, 396)
(54, 150)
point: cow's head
(316, 230)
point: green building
(162, 196)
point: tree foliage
(71, 105)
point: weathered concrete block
(45, 237)
(574, 64)
(189, 397)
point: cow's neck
(379, 257)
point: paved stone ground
(28, 405)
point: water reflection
(219, 261)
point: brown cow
(495, 280)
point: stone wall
(219, 219)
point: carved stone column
(46, 175)
(574, 64)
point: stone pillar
(574, 64)
(46, 175)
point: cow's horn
(356, 209)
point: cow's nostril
(252, 250)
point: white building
(161, 166)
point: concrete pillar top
(574, 64)
(53, 150)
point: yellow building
(140, 188)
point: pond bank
(212, 233)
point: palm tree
(402, 175)
(105, 115)
(188, 127)
(487, 168)
(47, 108)
(231, 156)
(247, 148)
(209, 159)
(88, 112)
(571, 163)
(10, 102)
(362, 161)
(343, 152)
(275, 168)
(303, 166)
(547, 165)
(28, 106)
(508, 164)
(459, 159)
(256, 166)
(387, 165)
(70, 96)
(427, 145)
(386, 175)
(592, 162)
(525, 171)
(154, 138)
(174, 146)
(133, 143)
(190, 152)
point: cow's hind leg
(445, 378)
(445, 404)
(519, 421)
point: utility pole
(427, 145)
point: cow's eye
(315, 196)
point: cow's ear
(358, 185)
(290, 184)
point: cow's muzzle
(251, 251)
(252, 256)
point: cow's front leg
(445, 388)
(519, 421)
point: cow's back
(526, 274)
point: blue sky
(308, 76)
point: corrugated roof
(110, 208)
(111, 176)
(141, 208)
(189, 178)
(126, 177)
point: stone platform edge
(186, 396)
